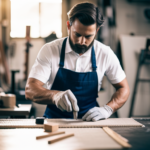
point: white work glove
(98, 113)
(66, 101)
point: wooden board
(110, 122)
(84, 138)
(70, 123)
(131, 47)
(4, 63)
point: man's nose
(82, 40)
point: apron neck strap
(93, 59)
(62, 56)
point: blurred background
(26, 25)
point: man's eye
(88, 37)
(78, 35)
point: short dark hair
(87, 13)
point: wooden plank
(4, 63)
(71, 123)
(116, 137)
(28, 45)
(131, 47)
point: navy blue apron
(84, 86)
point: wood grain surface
(84, 138)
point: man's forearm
(119, 98)
(39, 94)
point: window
(44, 17)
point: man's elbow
(127, 92)
(27, 93)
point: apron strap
(62, 54)
(93, 59)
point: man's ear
(68, 24)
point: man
(72, 68)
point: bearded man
(72, 68)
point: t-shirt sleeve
(114, 71)
(41, 69)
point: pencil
(75, 114)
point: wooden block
(51, 127)
(9, 100)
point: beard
(80, 49)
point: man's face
(81, 37)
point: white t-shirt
(47, 63)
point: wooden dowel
(60, 138)
(50, 134)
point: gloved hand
(66, 101)
(98, 113)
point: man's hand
(66, 101)
(98, 113)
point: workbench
(139, 137)
(21, 110)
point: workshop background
(26, 25)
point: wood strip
(4, 63)
(28, 45)
(60, 138)
(126, 140)
(50, 134)
(117, 137)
